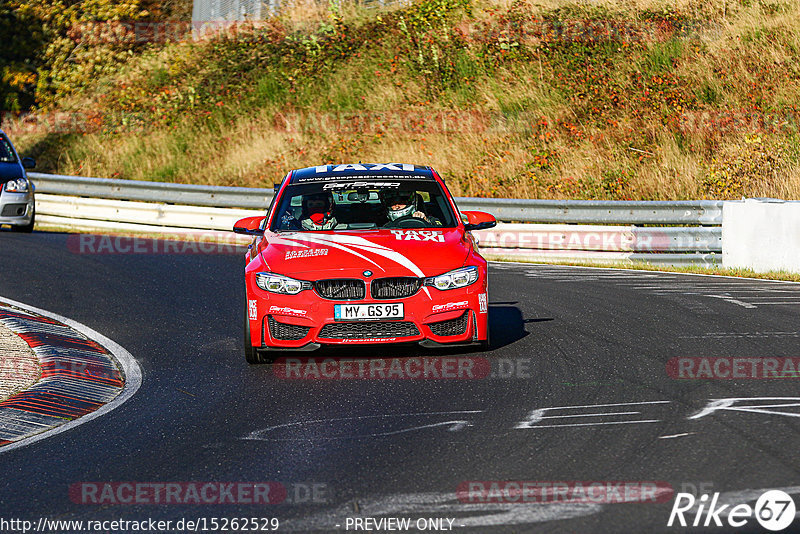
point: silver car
(16, 191)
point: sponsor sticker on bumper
(367, 312)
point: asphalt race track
(593, 344)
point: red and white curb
(84, 375)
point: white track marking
(598, 424)
(713, 288)
(455, 426)
(128, 364)
(665, 283)
(639, 272)
(605, 405)
(589, 415)
(729, 404)
(257, 435)
(733, 301)
(774, 297)
(537, 415)
(723, 335)
(676, 435)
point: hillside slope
(643, 99)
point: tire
(251, 353)
(486, 344)
(28, 228)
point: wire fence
(227, 10)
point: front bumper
(16, 209)
(431, 318)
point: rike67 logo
(774, 510)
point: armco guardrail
(704, 212)
(192, 195)
(695, 235)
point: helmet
(317, 208)
(390, 198)
(326, 197)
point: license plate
(367, 312)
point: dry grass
(746, 60)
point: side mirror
(478, 220)
(28, 163)
(249, 226)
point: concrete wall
(763, 235)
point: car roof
(397, 171)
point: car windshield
(363, 206)
(6, 152)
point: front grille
(394, 288)
(287, 332)
(341, 289)
(12, 210)
(369, 329)
(452, 327)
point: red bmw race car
(360, 254)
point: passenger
(317, 212)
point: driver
(404, 205)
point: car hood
(384, 252)
(10, 171)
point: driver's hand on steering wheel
(419, 215)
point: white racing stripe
(342, 241)
(348, 242)
(344, 248)
(127, 363)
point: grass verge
(685, 269)
(642, 99)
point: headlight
(17, 186)
(276, 283)
(454, 279)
